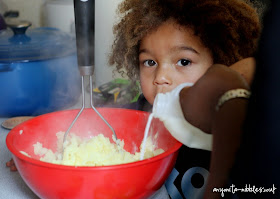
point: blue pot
(38, 71)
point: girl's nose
(163, 76)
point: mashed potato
(97, 151)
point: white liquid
(147, 128)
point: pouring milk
(167, 108)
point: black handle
(84, 25)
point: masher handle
(84, 24)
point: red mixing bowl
(134, 180)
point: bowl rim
(19, 155)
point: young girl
(164, 43)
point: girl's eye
(149, 63)
(184, 62)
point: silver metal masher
(84, 24)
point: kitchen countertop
(12, 185)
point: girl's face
(170, 56)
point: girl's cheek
(147, 90)
(147, 94)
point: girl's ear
(245, 67)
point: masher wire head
(83, 107)
(91, 103)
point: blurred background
(55, 89)
(60, 14)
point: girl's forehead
(170, 26)
(172, 32)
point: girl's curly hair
(229, 28)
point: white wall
(105, 17)
(29, 9)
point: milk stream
(147, 128)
